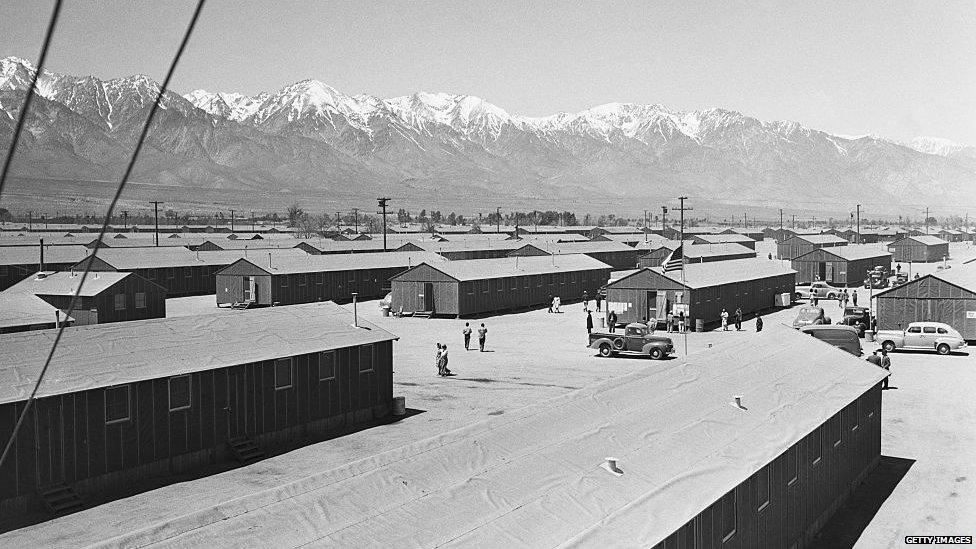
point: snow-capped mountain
(942, 147)
(309, 135)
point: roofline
(932, 275)
(417, 266)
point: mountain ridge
(309, 135)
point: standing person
(482, 335)
(586, 301)
(681, 321)
(555, 304)
(551, 302)
(759, 322)
(875, 359)
(612, 321)
(443, 362)
(467, 335)
(437, 361)
(725, 320)
(738, 319)
(589, 322)
(598, 297)
(898, 268)
(854, 298)
(669, 318)
(886, 364)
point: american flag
(675, 260)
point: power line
(105, 223)
(52, 24)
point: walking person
(551, 302)
(482, 335)
(725, 320)
(589, 322)
(612, 321)
(437, 361)
(555, 304)
(467, 335)
(681, 321)
(759, 323)
(669, 319)
(445, 371)
(854, 298)
(598, 298)
(586, 301)
(738, 319)
(886, 364)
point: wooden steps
(245, 450)
(61, 499)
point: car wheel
(618, 343)
(888, 346)
(831, 297)
(656, 353)
(605, 350)
(943, 349)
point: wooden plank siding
(909, 251)
(928, 299)
(66, 438)
(628, 296)
(489, 295)
(820, 264)
(154, 297)
(805, 485)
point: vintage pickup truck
(933, 336)
(820, 290)
(635, 339)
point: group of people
(676, 323)
(882, 361)
(737, 320)
(844, 298)
(441, 358)
(554, 303)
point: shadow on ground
(849, 522)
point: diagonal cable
(104, 229)
(21, 120)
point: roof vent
(611, 465)
(737, 402)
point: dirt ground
(924, 486)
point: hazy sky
(895, 68)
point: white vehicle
(932, 336)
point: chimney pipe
(40, 266)
(737, 402)
(269, 260)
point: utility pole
(926, 220)
(232, 220)
(646, 228)
(252, 222)
(745, 220)
(355, 216)
(859, 225)
(781, 222)
(338, 223)
(794, 222)
(382, 204)
(156, 204)
(498, 220)
(125, 219)
(664, 221)
(681, 243)
(30, 220)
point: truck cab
(637, 338)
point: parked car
(877, 278)
(636, 338)
(901, 278)
(933, 336)
(820, 290)
(810, 315)
(844, 337)
(858, 317)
